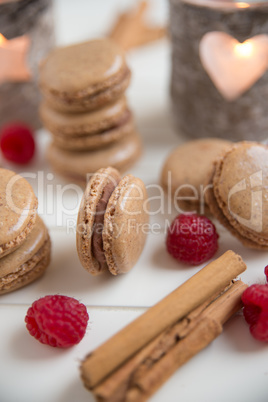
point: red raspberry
(266, 272)
(255, 300)
(17, 143)
(192, 239)
(58, 321)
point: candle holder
(27, 34)
(219, 82)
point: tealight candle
(220, 68)
(13, 65)
(233, 66)
(26, 36)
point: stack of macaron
(86, 111)
(24, 240)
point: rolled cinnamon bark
(142, 375)
(131, 29)
(210, 280)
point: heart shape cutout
(233, 66)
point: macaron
(28, 262)
(84, 76)
(75, 166)
(239, 193)
(18, 210)
(81, 131)
(186, 170)
(111, 222)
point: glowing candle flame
(2, 39)
(242, 5)
(13, 63)
(244, 49)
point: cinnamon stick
(208, 281)
(143, 374)
(114, 387)
(207, 328)
(130, 30)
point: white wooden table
(234, 367)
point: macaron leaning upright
(239, 193)
(112, 222)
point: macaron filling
(97, 241)
(124, 118)
(83, 96)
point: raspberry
(58, 321)
(266, 272)
(17, 143)
(255, 300)
(192, 239)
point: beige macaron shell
(86, 216)
(218, 214)
(18, 205)
(76, 165)
(190, 164)
(94, 141)
(27, 262)
(240, 186)
(88, 103)
(71, 124)
(82, 69)
(125, 224)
